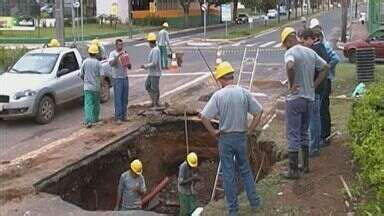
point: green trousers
(187, 204)
(91, 106)
(164, 57)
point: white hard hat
(303, 19)
(314, 22)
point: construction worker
(301, 64)
(186, 184)
(131, 188)
(334, 60)
(311, 39)
(163, 43)
(91, 73)
(120, 82)
(53, 43)
(231, 104)
(101, 55)
(154, 72)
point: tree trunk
(235, 3)
(344, 18)
(186, 16)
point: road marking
(277, 45)
(178, 43)
(237, 44)
(253, 45)
(141, 44)
(266, 32)
(267, 44)
(170, 74)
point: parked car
(375, 40)
(42, 79)
(242, 18)
(272, 13)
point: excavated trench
(92, 182)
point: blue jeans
(120, 89)
(297, 114)
(230, 145)
(315, 126)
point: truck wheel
(45, 111)
(104, 93)
(352, 56)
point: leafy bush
(9, 57)
(366, 127)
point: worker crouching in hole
(186, 184)
(131, 188)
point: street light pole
(205, 21)
(59, 16)
(82, 20)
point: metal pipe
(209, 68)
(186, 130)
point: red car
(375, 40)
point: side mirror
(62, 72)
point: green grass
(346, 79)
(89, 29)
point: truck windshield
(39, 63)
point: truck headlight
(26, 93)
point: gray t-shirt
(185, 172)
(154, 64)
(306, 62)
(163, 38)
(91, 70)
(130, 199)
(118, 71)
(232, 105)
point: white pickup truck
(41, 80)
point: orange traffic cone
(218, 57)
(174, 65)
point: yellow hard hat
(137, 167)
(223, 69)
(165, 25)
(192, 159)
(286, 32)
(151, 37)
(96, 41)
(93, 49)
(54, 43)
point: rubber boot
(293, 169)
(305, 154)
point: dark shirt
(319, 48)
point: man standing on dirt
(154, 72)
(334, 60)
(301, 64)
(186, 184)
(311, 39)
(120, 82)
(163, 43)
(90, 72)
(131, 188)
(231, 104)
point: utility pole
(344, 19)
(59, 15)
(278, 11)
(82, 19)
(295, 4)
(205, 20)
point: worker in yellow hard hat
(231, 104)
(186, 184)
(131, 188)
(102, 54)
(164, 44)
(91, 73)
(153, 68)
(301, 65)
(53, 43)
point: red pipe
(145, 200)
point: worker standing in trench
(186, 184)
(154, 72)
(131, 188)
(232, 104)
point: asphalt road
(18, 137)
